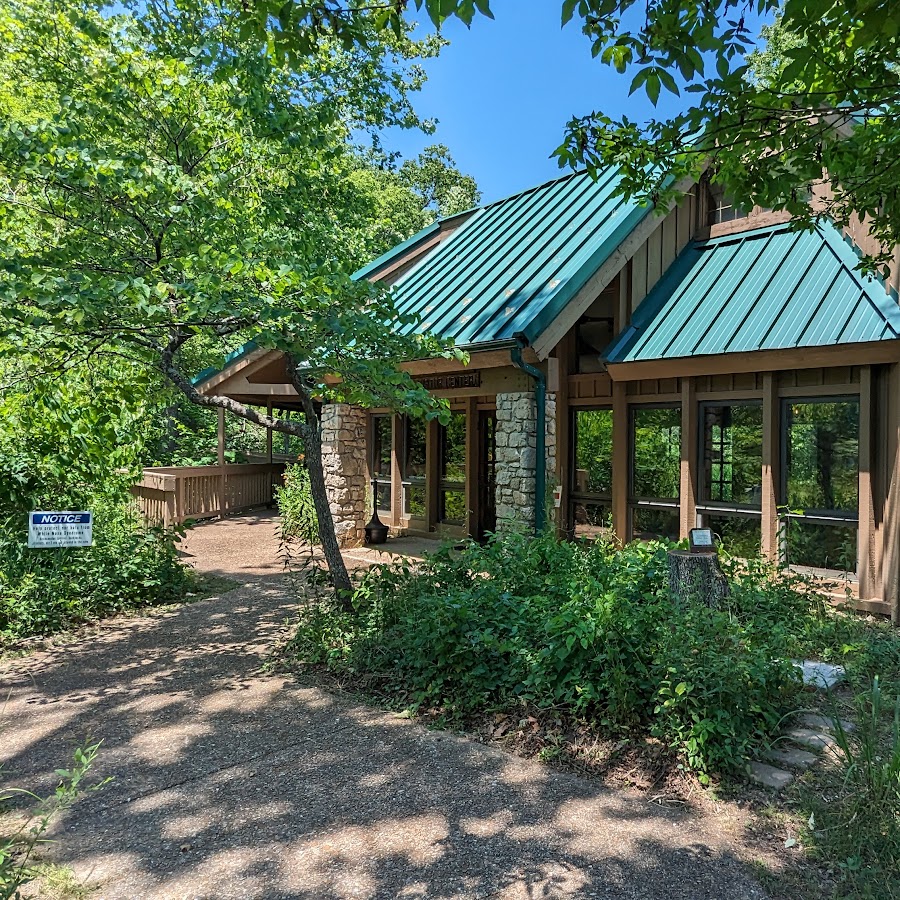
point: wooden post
(269, 454)
(396, 473)
(222, 501)
(891, 528)
(866, 568)
(473, 466)
(689, 437)
(770, 461)
(620, 474)
(565, 354)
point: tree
(817, 110)
(433, 176)
(165, 184)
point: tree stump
(696, 577)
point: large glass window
(452, 487)
(592, 473)
(382, 444)
(414, 466)
(655, 471)
(821, 482)
(731, 474)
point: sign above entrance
(450, 381)
(60, 529)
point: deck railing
(171, 494)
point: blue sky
(504, 90)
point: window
(382, 444)
(723, 208)
(414, 467)
(731, 474)
(452, 485)
(592, 472)
(821, 482)
(655, 471)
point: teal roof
(767, 289)
(514, 264)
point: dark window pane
(739, 535)
(656, 453)
(592, 520)
(415, 500)
(821, 546)
(384, 495)
(453, 448)
(414, 457)
(593, 452)
(732, 454)
(823, 456)
(653, 524)
(453, 508)
(381, 446)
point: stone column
(344, 462)
(517, 454)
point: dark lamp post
(376, 530)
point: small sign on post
(702, 540)
(60, 529)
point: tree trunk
(327, 535)
(696, 577)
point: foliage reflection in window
(656, 453)
(592, 474)
(382, 442)
(414, 458)
(453, 470)
(732, 448)
(821, 483)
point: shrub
(296, 507)
(587, 629)
(129, 565)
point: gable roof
(515, 263)
(767, 289)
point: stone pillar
(516, 456)
(344, 462)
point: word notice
(60, 529)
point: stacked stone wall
(517, 455)
(344, 462)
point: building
(708, 366)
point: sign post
(60, 529)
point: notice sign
(60, 529)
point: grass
(54, 882)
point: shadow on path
(230, 783)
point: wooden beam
(866, 564)
(891, 528)
(868, 353)
(565, 354)
(397, 438)
(223, 505)
(770, 469)
(620, 456)
(689, 438)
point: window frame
(444, 484)
(380, 477)
(635, 503)
(576, 497)
(409, 482)
(827, 517)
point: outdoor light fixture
(376, 530)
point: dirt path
(230, 783)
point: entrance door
(487, 473)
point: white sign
(60, 529)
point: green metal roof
(767, 289)
(514, 264)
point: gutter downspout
(540, 398)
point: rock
(791, 757)
(824, 723)
(808, 737)
(768, 776)
(821, 675)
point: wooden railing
(171, 494)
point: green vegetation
(590, 631)
(22, 835)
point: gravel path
(231, 783)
